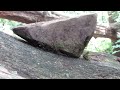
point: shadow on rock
(46, 48)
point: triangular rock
(69, 35)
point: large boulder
(69, 36)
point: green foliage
(118, 41)
(115, 15)
(100, 45)
(115, 52)
(116, 46)
(10, 23)
(3, 21)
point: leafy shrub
(10, 23)
(100, 45)
(116, 47)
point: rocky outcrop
(25, 61)
(69, 36)
(8, 74)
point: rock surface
(69, 36)
(7, 74)
(35, 63)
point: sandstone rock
(69, 36)
(7, 74)
(29, 62)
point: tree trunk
(114, 29)
(29, 16)
(113, 25)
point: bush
(10, 23)
(100, 45)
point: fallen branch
(29, 16)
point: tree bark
(114, 26)
(114, 29)
(106, 32)
(29, 16)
